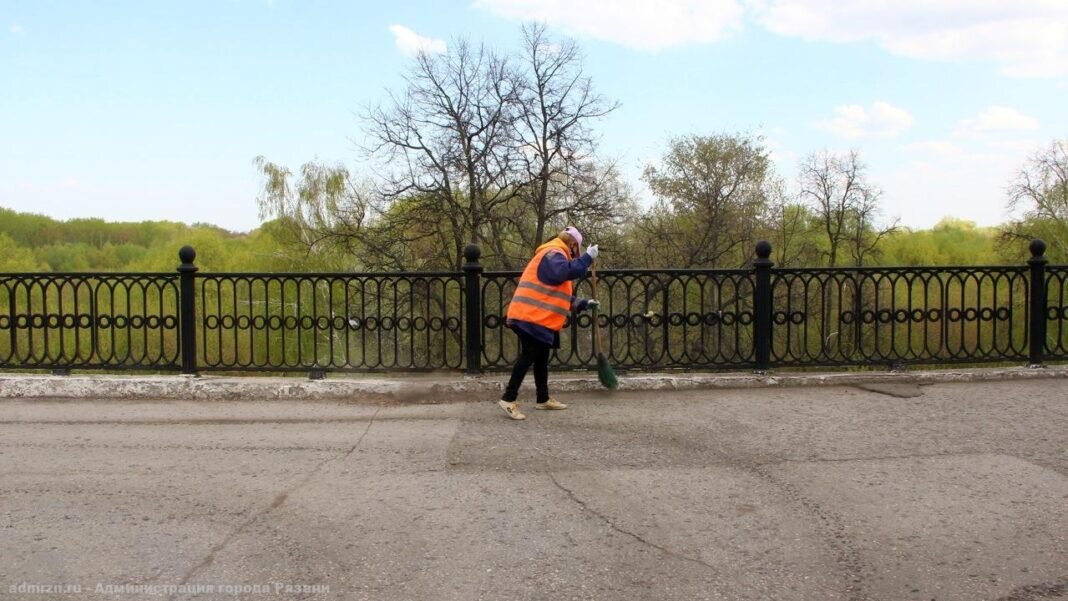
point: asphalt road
(956, 491)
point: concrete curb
(418, 389)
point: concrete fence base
(420, 389)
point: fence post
(1037, 331)
(473, 309)
(762, 307)
(187, 309)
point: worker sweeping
(542, 302)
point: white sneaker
(512, 409)
(551, 405)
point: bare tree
(788, 221)
(1038, 195)
(474, 147)
(845, 203)
(553, 131)
(865, 232)
(446, 143)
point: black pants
(531, 352)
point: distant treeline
(30, 242)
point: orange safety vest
(539, 303)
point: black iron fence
(756, 318)
(89, 321)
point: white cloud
(965, 180)
(16, 28)
(411, 43)
(881, 120)
(1027, 38)
(641, 24)
(996, 119)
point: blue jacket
(554, 270)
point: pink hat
(574, 233)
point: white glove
(592, 251)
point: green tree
(14, 257)
(712, 192)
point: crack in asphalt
(899, 391)
(832, 530)
(859, 458)
(278, 500)
(571, 495)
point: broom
(604, 369)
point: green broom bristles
(604, 369)
(605, 373)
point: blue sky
(155, 110)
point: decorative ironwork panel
(862, 316)
(1057, 312)
(341, 322)
(649, 320)
(63, 321)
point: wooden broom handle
(596, 326)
